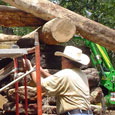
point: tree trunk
(57, 30)
(86, 28)
(13, 17)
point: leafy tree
(3, 3)
(22, 30)
(101, 11)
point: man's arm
(29, 66)
(44, 72)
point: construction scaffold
(14, 53)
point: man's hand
(31, 50)
(27, 64)
(44, 72)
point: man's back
(70, 86)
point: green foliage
(3, 3)
(102, 11)
(0, 29)
(22, 30)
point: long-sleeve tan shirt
(70, 86)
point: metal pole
(16, 86)
(7, 74)
(25, 85)
(37, 56)
(19, 78)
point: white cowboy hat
(74, 54)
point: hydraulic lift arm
(101, 61)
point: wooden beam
(5, 37)
(85, 27)
(57, 30)
(13, 17)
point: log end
(63, 30)
(58, 30)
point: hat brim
(84, 59)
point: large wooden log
(57, 30)
(6, 45)
(6, 41)
(5, 37)
(87, 28)
(13, 17)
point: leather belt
(75, 111)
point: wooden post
(25, 85)
(16, 86)
(37, 56)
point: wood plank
(12, 53)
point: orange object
(37, 56)
(25, 85)
(16, 86)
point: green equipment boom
(101, 61)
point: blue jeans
(78, 112)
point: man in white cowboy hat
(69, 85)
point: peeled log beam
(6, 41)
(57, 30)
(4, 37)
(54, 31)
(6, 45)
(13, 17)
(87, 28)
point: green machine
(101, 61)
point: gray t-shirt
(70, 86)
